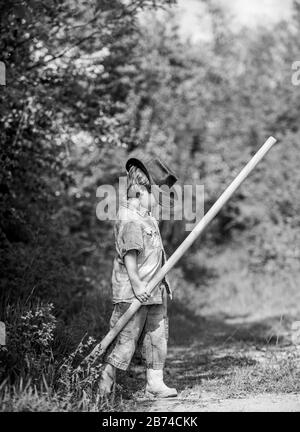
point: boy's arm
(138, 286)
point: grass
(229, 338)
(224, 368)
(277, 377)
(25, 396)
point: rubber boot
(155, 385)
(108, 379)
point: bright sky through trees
(243, 12)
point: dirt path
(224, 365)
(210, 403)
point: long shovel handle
(199, 228)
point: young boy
(140, 254)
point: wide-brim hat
(161, 178)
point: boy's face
(147, 199)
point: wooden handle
(199, 228)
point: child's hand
(140, 292)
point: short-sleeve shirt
(137, 230)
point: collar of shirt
(136, 207)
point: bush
(30, 337)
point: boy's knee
(155, 348)
(121, 355)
